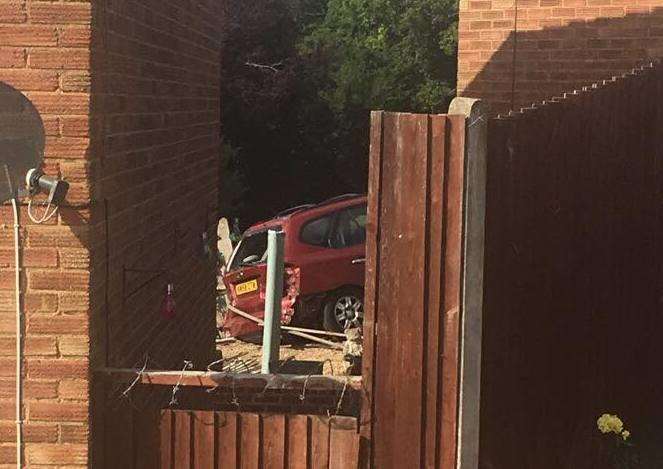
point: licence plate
(246, 287)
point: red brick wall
(156, 106)
(44, 50)
(515, 52)
(156, 119)
(128, 94)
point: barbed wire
(173, 398)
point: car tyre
(344, 309)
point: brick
(74, 301)
(51, 125)
(74, 346)
(75, 81)
(40, 346)
(60, 237)
(57, 369)
(74, 433)
(30, 80)
(40, 302)
(61, 104)
(32, 433)
(75, 258)
(75, 126)
(58, 281)
(62, 453)
(73, 389)
(69, 59)
(12, 12)
(60, 13)
(76, 171)
(27, 35)
(52, 411)
(8, 454)
(67, 147)
(12, 57)
(57, 325)
(75, 36)
(31, 258)
(40, 390)
(7, 368)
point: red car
(324, 260)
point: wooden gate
(415, 255)
(203, 439)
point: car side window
(351, 227)
(316, 232)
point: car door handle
(359, 260)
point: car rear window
(252, 249)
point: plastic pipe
(19, 354)
(271, 333)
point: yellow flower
(626, 434)
(608, 423)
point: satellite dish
(22, 141)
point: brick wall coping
(238, 381)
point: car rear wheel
(344, 310)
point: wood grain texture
(371, 290)
(298, 442)
(227, 441)
(250, 441)
(182, 451)
(319, 444)
(273, 441)
(204, 439)
(343, 443)
(414, 246)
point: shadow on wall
(531, 66)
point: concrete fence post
(474, 212)
(271, 334)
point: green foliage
(387, 54)
(299, 78)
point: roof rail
(291, 210)
(339, 197)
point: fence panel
(573, 261)
(229, 440)
(414, 265)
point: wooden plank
(203, 439)
(250, 441)
(182, 442)
(434, 268)
(371, 284)
(166, 437)
(452, 291)
(227, 441)
(297, 442)
(319, 450)
(273, 441)
(397, 435)
(343, 443)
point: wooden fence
(413, 290)
(574, 276)
(200, 439)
